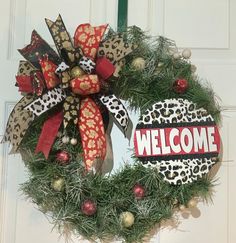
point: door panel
(204, 26)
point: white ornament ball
(65, 139)
(186, 53)
(138, 63)
(176, 55)
(193, 68)
(73, 141)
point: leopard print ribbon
(92, 132)
(62, 40)
(88, 38)
(71, 108)
(119, 113)
(47, 101)
(115, 49)
(18, 123)
(25, 68)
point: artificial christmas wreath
(62, 127)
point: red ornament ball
(139, 191)
(180, 86)
(88, 207)
(62, 157)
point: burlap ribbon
(99, 59)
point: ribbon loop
(48, 70)
(46, 101)
(104, 68)
(85, 85)
(18, 123)
(87, 65)
(88, 38)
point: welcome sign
(178, 138)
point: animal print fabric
(18, 123)
(178, 171)
(88, 38)
(70, 109)
(25, 68)
(62, 39)
(46, 101)
(87, 65)
(115, 48)
(118, 112)
(92, 132)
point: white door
(207, 27)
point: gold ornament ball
(192, 203)
(127, 219)
(58, 184)
(138, 63)
(182, 207)
(186, 54)
(77, 72)
(73, 141)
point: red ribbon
(92, 132)
(24, 83)
(49, 133)
(104, 68)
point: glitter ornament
(139, 191)
(138, 63)
(180, 86)
(127, 219)
(88, 207)
(58, 184)
(77, 72)
(62, 157)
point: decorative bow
(78, 78)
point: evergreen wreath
(86, 80)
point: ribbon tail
(62, 40)
(71, 109)
(37, 49)
(46, 101)
(119, 114)
(18, 123)
(108, 163)
(92, 132)
(49, 133)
